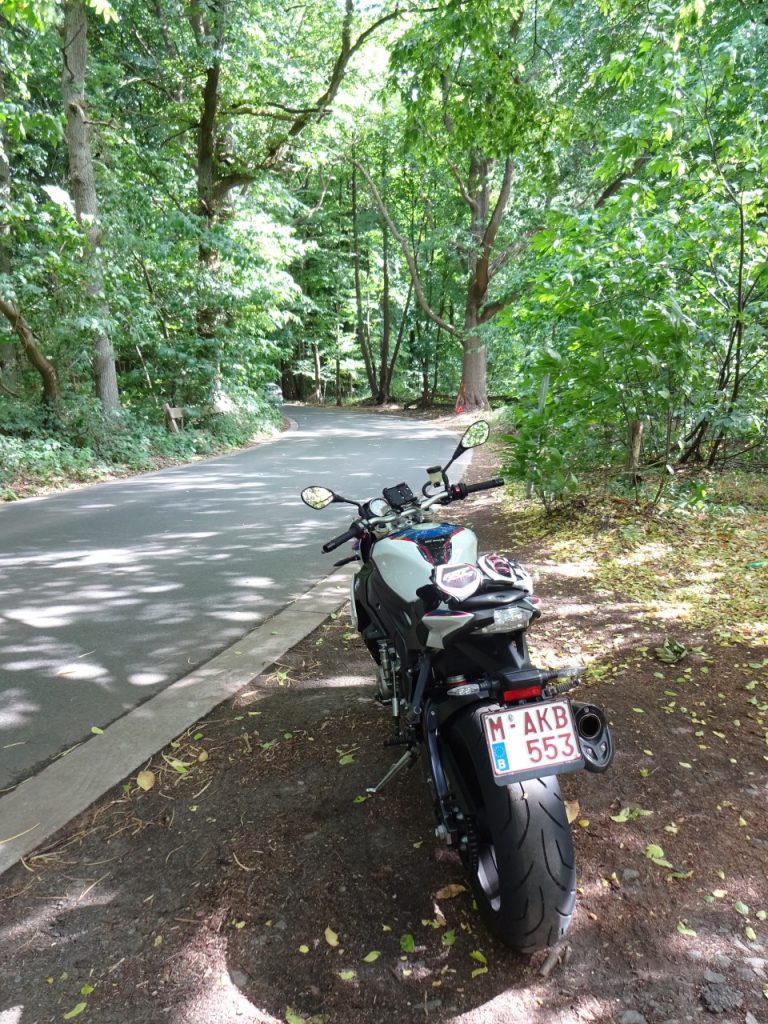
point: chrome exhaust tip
(595, 737)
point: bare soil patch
(212, 897)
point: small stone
(720, 998)
(694, 954)
(630, 875)
(757, 964)
(631, 1017)
(714, 978)
(239, 978)
(721, 961)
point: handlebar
(456, 492)
(354, 531)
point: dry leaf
(572, 810)
(449, 891)
(145, 780)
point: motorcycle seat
(490, 599)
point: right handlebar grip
(336, 542)
(485, 485)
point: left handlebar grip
(335, 542)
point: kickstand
(405, 761)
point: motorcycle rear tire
(518, 849)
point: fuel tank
(406, 559)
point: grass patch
(703, 564)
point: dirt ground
(254, 882)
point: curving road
(110, 593)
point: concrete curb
(46, 802)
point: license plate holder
(532, 740)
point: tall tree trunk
(362, 337)
(78, 133)
(8, 360)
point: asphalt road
(111, 592)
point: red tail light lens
(525, 693)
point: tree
(78, 133)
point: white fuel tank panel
(406, 559)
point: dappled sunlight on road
(109, 593)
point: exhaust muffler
(595, 737)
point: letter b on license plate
(533, 740)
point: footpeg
(399, 740)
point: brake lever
(347, 560)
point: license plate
(533, 740)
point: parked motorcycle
(447, 630)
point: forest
(557, 209)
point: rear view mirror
(317, 497)
(475, 435)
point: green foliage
(629, 270)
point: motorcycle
(447, 630)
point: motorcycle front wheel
(517, 845)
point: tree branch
(471, 203)
(489, 237)
(313, 113)
(223, 186)
(32, 349)
(619, 180)
(409, 258)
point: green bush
(83, 444)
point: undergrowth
(42, 452)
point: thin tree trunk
(78, 134)
(386, 323)
(390, 370)
(634, 447)
(318, 372)
(362, 339)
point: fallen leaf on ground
(449, 891)
(145, 780)
(656, 854)
(75, 1011)
(331, 937)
